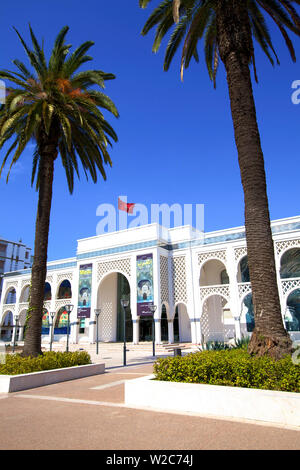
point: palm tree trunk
(269, 336)
(32, 344)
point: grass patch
(234, 367)
(16, 364)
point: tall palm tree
(59, 108)
(227, 28)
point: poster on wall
(84, 291)
(144, 281)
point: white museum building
(199, 283)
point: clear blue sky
(176, 139)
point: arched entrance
(247, 315)
(61, 323)
(10, 297)
(112, 289)
(24, 297)
(290, 264)
(212, 318)
(292, 314)
(65, 290)
(45, 323)
(213, 272)
(164, 324)
(182, 324)
(7, 327)
(47, 291)
(243, 270)
(145, 328)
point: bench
(176, 348)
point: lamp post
(97, 313)
(16, 332)
(153, 310)
(68, 309)
(124, 303)
(52, 315)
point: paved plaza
(90, 413)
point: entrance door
(145, 329)
(123, 291)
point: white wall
(184, 324)
(107, 301)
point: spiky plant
(60, 109)
(228, 28)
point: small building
(13, 257)
(198, 281)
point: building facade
(199, 283)
(13, 257)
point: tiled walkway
(90, 413)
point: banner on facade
(84, 291)
(144, 281)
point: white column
(190, 290)
(170, 331)
(237, 325)
(133, 302)
(20, 336)
(14, 338)
(73, 317)
(157, 328)
(136, 331)
(280, 291)
(196, 331)
(16, 312)
(234, 300)
(156, 283)
(52, 305)
(94, 304)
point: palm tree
(57, 107)
(227, 28)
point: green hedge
(234, 368)
(16, 364)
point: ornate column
(136, 330)
(157, 330)
(170, 331)
(233, 256)
(277, 253)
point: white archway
(7, 325)
(216, 323)
(10, 296)
(112, 286)
(211, 272)
(183, 331)
(64, 290)
(24, 297)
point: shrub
(16, 364)
(233, 367)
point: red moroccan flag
(124, 206)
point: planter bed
(233, 402)
(15, 383)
